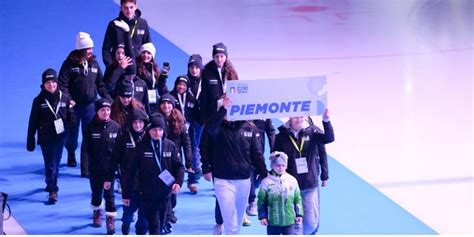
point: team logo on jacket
(213, 81)
(139, 89)
(62, 104)
(167, 154)
(44, 106)
(306, 138)
(113, 135)
(140, 32)
(148, 154)
(190, 105)
(130, 145)
(248, 134)
(75, 69)
(95, 135)
(94, 69)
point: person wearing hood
(279, 198)
(99, 141)
(80, 78)
(129, 16)
(302, 143)
(160, 173)
(52, 117)
(229, 149)
(122, 156)
(175, 128)
(149, 71)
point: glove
(30, 144)
(122, 25)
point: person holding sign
(229, 149)
(215, 75)
(301, 143)
(160, 173)
(52, 116)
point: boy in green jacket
(279, 198)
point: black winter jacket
(42, 118)
(122, 154)
(265, 126)
(314, 141)
(115, 36)
(181, 140)
(211, 91)
(140, 92)
(230, 149)
(144, 163)
(99, 141)
(191, 106)
(80, 84)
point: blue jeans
(311, 211)
(52, 153)
(195, 132)
(127, 217)
(280, 230)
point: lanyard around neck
(182, 102)
(157, 158)
(133, 30)
(57, 106)
(299, 149)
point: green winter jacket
(279, 200)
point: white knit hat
(148, 47)
(279, 158)
(83, 41)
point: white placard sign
(276, 98)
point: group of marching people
(137, 131)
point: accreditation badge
(301, 165)
(166, 177)
(152, 96)
(59, 126)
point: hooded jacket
(314, 140)
(144, 162)
(98, 144)
(230, 149)
(114, 36)
(279, 200)
(80, 83)
(42, 118)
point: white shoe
(218, 229)
(252, 209)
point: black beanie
(125, 88)
(49, 74)
(182, 78)
(195, 59)
(101, 103)
(219, 48)
(168, 97)
(156, 121)
(131, 69)
(139, 114)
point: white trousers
(232, 196)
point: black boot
(71, 159)
(52, 197)
(110, 223)
(97, 218)
(125, 229)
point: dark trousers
(154, 212)
(280, 230)
(128, 211)
(52, 153)
(97, 188)
(254, 185)
(195, 132)
(84, 115)
(218, 214)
